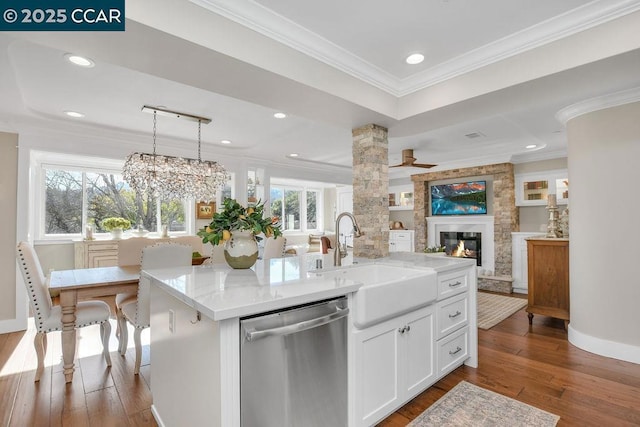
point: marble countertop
(220, 292)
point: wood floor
(539, 367)
(536, 366)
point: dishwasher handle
(253, 335)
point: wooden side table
(548, 276)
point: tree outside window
(75, 199)
(287, 203)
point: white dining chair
(137, 312)
(129, 253)
(273, 248)
(194, 241)
(47, 317)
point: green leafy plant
(115, 222)
(434, 249)
(237, 217)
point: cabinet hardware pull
(458, 350)
(405, 328)
(198, 318)
(453, 285)
(453, 316)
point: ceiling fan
(409, 161)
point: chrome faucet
(341, 250)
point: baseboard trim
(616, 350)
(12, 325)
(156, 416)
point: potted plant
(116, 225)
(238, 227)
(440, 250)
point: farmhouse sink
(387, 291)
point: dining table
(82, 284)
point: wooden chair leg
(105, 333)
(138, 342)
(39, 344)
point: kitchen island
(195, 328)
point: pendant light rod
(175, 114)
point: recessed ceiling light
(530, 146)
(74, 114)
(415, 58)
(80, 61)
(225, 141)
(279, 115)
(293, 155)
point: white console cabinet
(519, 260)
(96, 253)
(401, 240)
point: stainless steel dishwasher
(294, 367)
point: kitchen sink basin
(387, 291)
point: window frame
(303, 206)
(42, 160)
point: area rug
(493, 309)
(467, 405)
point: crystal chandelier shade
(169, 177)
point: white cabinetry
(394, 360)
(96, 253)
(532, 189)
(401, 240)
(519, 260)
(397, 359)
(194, 353)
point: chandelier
(168, 177)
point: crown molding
(599, 103)
(270, 24)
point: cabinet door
(403, 246)
(418, 364)
(376, 365)
(102, 259)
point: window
(79, 191)
(297, 207)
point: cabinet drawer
(452, 351)
(452, 314)
(103, 247)
(400, 236)
(450, 284)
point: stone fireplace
(496, 240)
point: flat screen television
(465, 198)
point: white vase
(241, 250)
(116, 233)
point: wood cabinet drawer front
(452, 284)
(103, 247)
(452, 314)
(452, 351)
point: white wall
(604, 148)
(11, 293)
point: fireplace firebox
(462, 244)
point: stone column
(371, 190)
